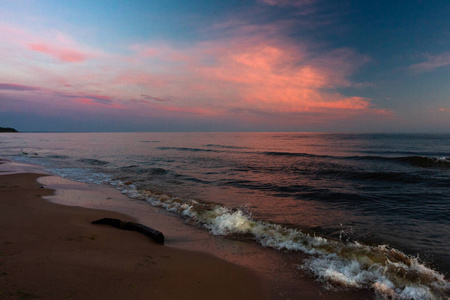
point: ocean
(368, 210)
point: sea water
(369, 210)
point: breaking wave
(389, 272)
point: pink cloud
(247, 72)
(23, 45)
(153, 98)
(274, 75)
(63, 54)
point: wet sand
(51, 251)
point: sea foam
(389, 272)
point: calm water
(365, 206)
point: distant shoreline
(7, 129)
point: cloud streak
(62, 54)
(432, 62)
(81, 97)
(17, 87)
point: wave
(56, 156)
(293, 154)
(372, 176)
(149, 141)
(427, 162)
(24, 153)
(401, 153)
(37, 155)
(419, 161)
(188, 149)
(143, 175)
(93, 161)
(250, 184)
(197, 180)
(389, 272)
(139, 170)
(225, 147)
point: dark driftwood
(156, 235)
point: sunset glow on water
(367, 215)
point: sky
(235, 65)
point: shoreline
(53, 251)
(265, 273)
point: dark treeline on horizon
(7, 129)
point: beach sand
(51, 251)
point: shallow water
(363, 206)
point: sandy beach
(51, 251)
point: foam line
(389, 272)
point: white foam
(411, 292)
(389, 272)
